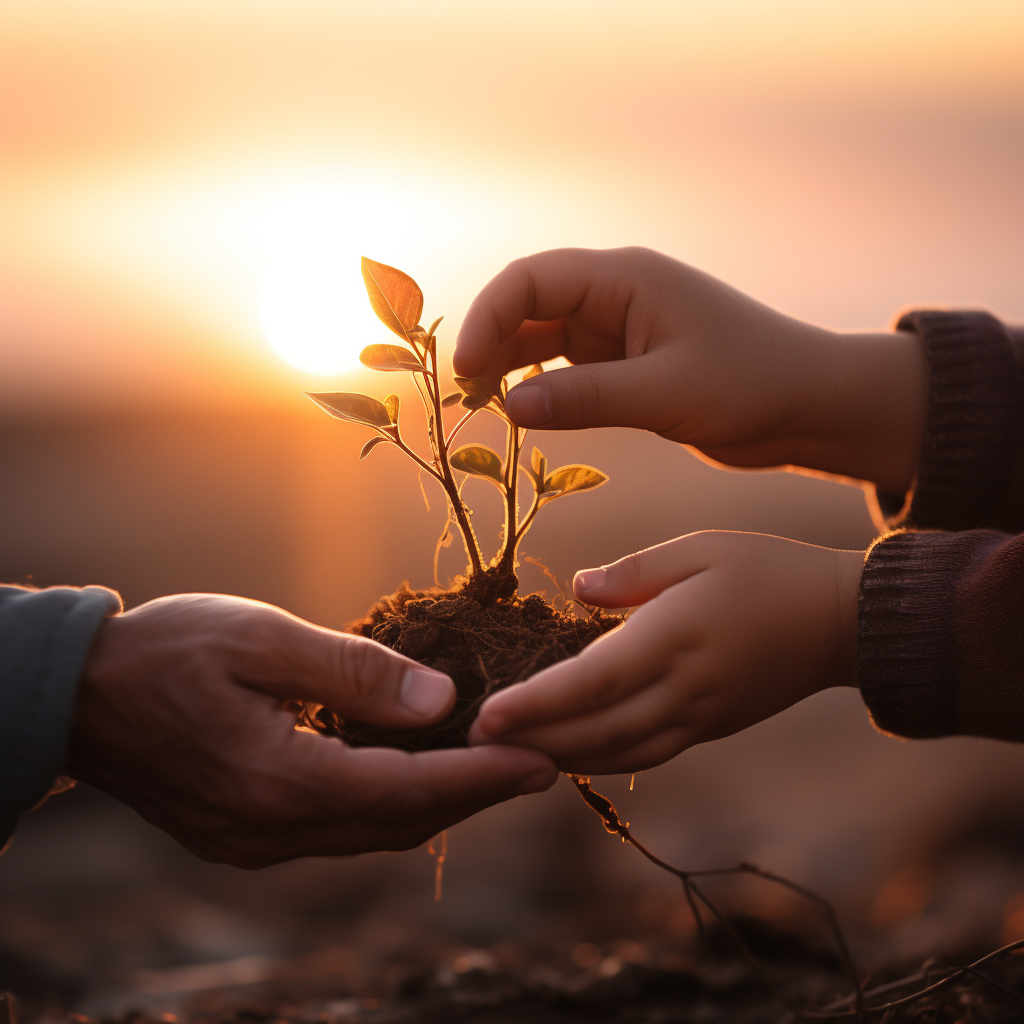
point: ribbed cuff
(938, 647)
(973, 426)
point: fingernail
(529, 405)
(537, 782)
(424, 692)
(588, 580)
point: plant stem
(458, 507)
(458, 426)
(513, 445)
(422, 463)
(525, 525)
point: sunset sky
(184, 183)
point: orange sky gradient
(838, 160)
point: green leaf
(391, 403)
(370, 445)
(354, 408)
(567, 479)
(450, 400)
(474, 387)
(478, 460)
(396, 298)
(389, 357)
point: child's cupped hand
(731, 629)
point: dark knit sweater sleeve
(45, 636)
(941, 630)
(971, 473)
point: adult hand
(180, 716)
(663, 346)
(732, 628)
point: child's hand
(673, 350)
(733, 628)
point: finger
(375, 798)
(640, 392)
(639, 577)
(612, 668)
(547, 286)
(649, 753)
(305, 795)
(617, 727)
(352, 675)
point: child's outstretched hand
(733, 628)
(663, 346)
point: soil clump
(479, 632)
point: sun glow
(312, 305)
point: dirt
(479, 632)
(626, 983)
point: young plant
(398, 302)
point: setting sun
(312, 305)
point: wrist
(880, 408)
(849, 569)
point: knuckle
(364, 668)
(603, 689)
(589, 396)
(630, 571)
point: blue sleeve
(45, 636)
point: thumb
(636, 392)
(639, 577)
(352, 675)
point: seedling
(478, 631)
(398, 302)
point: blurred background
(186, 188)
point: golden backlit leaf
(433, 326)
(539, 465)
(567, 479)
(449, 400)
(389, 357)
(370, 445)
(474, 387)
(533, 371)
(396, 298)
(391, 403)
(478, 460)
(352, 407)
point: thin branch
(420, 462)
(612, 823)
(942, 983)
(1008, 992)
(458, 426)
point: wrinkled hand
(180, 716)
(732, 628)
(660, 345)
